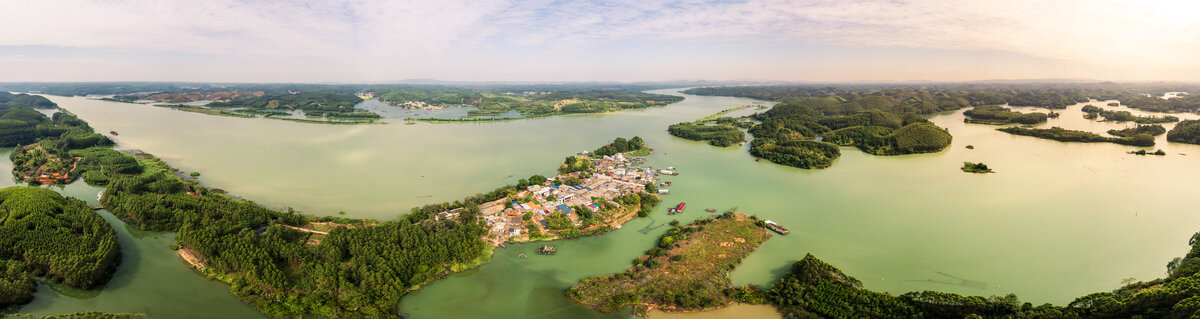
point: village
(573, 204)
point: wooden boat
(547, 250)
(114, 133)
(710, 210)
(776, 228)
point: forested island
(979, 168)
(1065, 135)
(994, 114)
(687, 271)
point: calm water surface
(1057, 220)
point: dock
(776, 228)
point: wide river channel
(1056, 221)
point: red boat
(677, 209)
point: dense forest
(1185, 132)
(715, 134)
(1152, 130)
(814, 288)
(786, 133)
(994, 114)
(45, 235)
(313, 103)
(1065, 135)
(21, 123)
(1092, 111)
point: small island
(979, 168)
(1144, 152)
(688, 271)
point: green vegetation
(721, 135)
(330, 104)
(1152, 130)
(1065, 135)
(532, 101)
(1143, 152)
(715, 129)
(1185, 132)
(1091, 112)
(631, 147)
(45, 235)
(786, 133)
(687, 271)
(993, 114)
(81, 315)
(9, 100)
(976, 168)
(880, 140)
(21, 124)
(815, 289)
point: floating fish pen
(776, 228)
(547, 250)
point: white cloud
(428, 38)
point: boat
(776, 228)
(547, 250)
(710, 210)
(677, 209)
(757, 159)
(114, 133)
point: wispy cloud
(400, 39)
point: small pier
(776, 228)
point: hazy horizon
(617, 41)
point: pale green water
(151, 278)
(1057, 221)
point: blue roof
(564, 208)
(544, 224)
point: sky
(369, 41)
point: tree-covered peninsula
(1152, 130)
(1092, 112)
(1185, 132)
(715, 129)
(44, 235)
(1065, 135)
(786, 133)
(687, 271)
(994, 114)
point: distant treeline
(1048, 95)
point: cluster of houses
(418, 105)
(613, 176)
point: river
(1057, 220)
